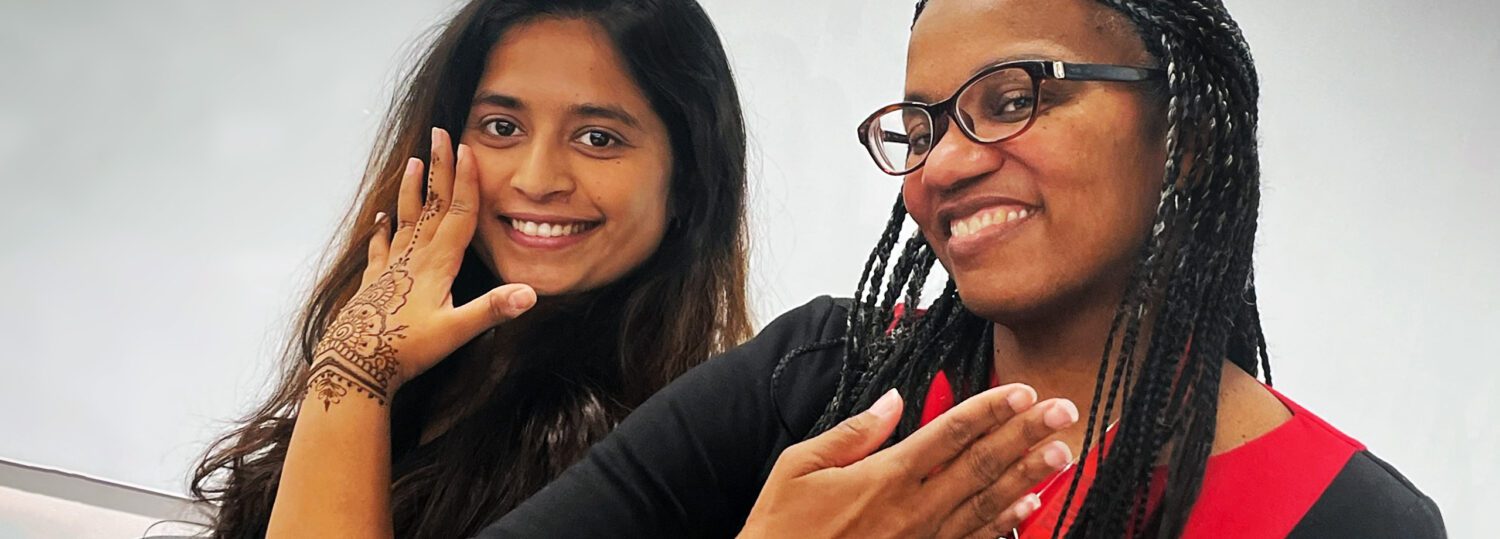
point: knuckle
(1033, 428)
(854, 426)
(983, 506)
(984, 468)
(496, 306)
(999, 409)
(957, 432)
(460, 207)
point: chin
(998, 306)
(545, 282)
(1014, 299)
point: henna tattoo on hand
(359, 350)
(430, 206)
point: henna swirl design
(359, 350)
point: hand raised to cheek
(403, 321)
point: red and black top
(1291, 476)
(691, 460)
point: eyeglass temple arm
(1100, 72)
(892, 136)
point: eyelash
(488, 123)
(613, 139)
(492, 127)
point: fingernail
(887, 405)
(1019, 399)
(521, 300)
(412, 165)
(1027, 506)
(379, 217)
(1061, 414)
(1057, 455)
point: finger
(439, 188)
(951, 433)
(1009, 519)
(978, 514)
(496, 307)
(990, 458)
(846, 443)
(457, 227)
(379, 250)
(408, 206)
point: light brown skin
(336, 478)
(1091, 166)
(545, 157)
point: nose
(543, 175)
(956, 160)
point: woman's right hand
(965, 474)
(403, 321)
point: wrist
(334, 381)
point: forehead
(955, 38)
(560, 61)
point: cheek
(634, 198)
(1102, 200)
(917, 199)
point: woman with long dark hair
(1087, 173)
(579, 161)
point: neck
(1059, 355)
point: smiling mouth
(541, 229)
(986, 219)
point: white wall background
(171, 169)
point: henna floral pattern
(359, 350)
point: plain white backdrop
(172, 169)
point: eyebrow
(610, 112)
(584, 110)
(924, 98)
(499, 100)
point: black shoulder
(794, 346)
(689, 461)
(1369, 498)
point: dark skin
(1088, 173)
(1083, 183)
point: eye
(920, 143)
(501, 127)
(1014, 106)
(598, 139)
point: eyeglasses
(996, 104)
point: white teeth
(982, 220)
(547, 230)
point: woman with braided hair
(1086, 171)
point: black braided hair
(1193, 284)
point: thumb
(498, 306)
(852, 440)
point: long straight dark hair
(1193, 285)
(578, 372)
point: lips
(551, 230)
(976, 223)
(986, 218)
(547, 231)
